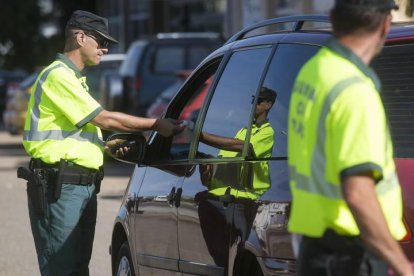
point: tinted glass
(168, 59)
(280, 78)
(395, 68)
(231, 105)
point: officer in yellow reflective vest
(260, 146)
(347, 206)
(62, 135)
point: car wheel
(124, 263)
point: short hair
(268, 94)
(346, 21)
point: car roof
(298, 26)
(178, 35)
(401, 32)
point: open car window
(186, 107)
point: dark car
(14, 114)
(151, 65)
(194, 209)
(99, 77)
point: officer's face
(94, 47)
(262, 107)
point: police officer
(62, 135)
(261, 146)
(347, 205)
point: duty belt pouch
(76, 175)
(99, 177)
(59, 179)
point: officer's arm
(221, 142)
(118, 121)
(359, 193)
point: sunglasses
(102, 42)
(259, 100)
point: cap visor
(108, 37)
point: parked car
(157, 108)
(189, 209)
(151, 65)
(100, 78)
(8, 80)
(14, 114)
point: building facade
(134, 19)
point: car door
(269, 230)
(159, 196)
(155, 223)
(205, 215)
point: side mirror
(126, 147)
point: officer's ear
(80, 38)
(386, 26)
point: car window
(168, 59)
(280, 79)
(190, 101)
(395, 68)
(230, 108)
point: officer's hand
(206, 172)
(168, 127)
(117, 147)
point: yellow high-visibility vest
(337, 128)
(262, 139)
(57, 120)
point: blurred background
(32, 32)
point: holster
(44, 181)
(36, 187)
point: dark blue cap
(90, 22)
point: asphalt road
(17, 254)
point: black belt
(72, 173)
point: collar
(260, 124)
(70, 64)
(335, 46)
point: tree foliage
(22, 46)
(18, 32)
(409, 9)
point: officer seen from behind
(347, 205)
(62, 135)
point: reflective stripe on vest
(34, 134)
(316, 183)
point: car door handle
(177, 199)
(171, 196)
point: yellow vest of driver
(338, 128)
(57, 120)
